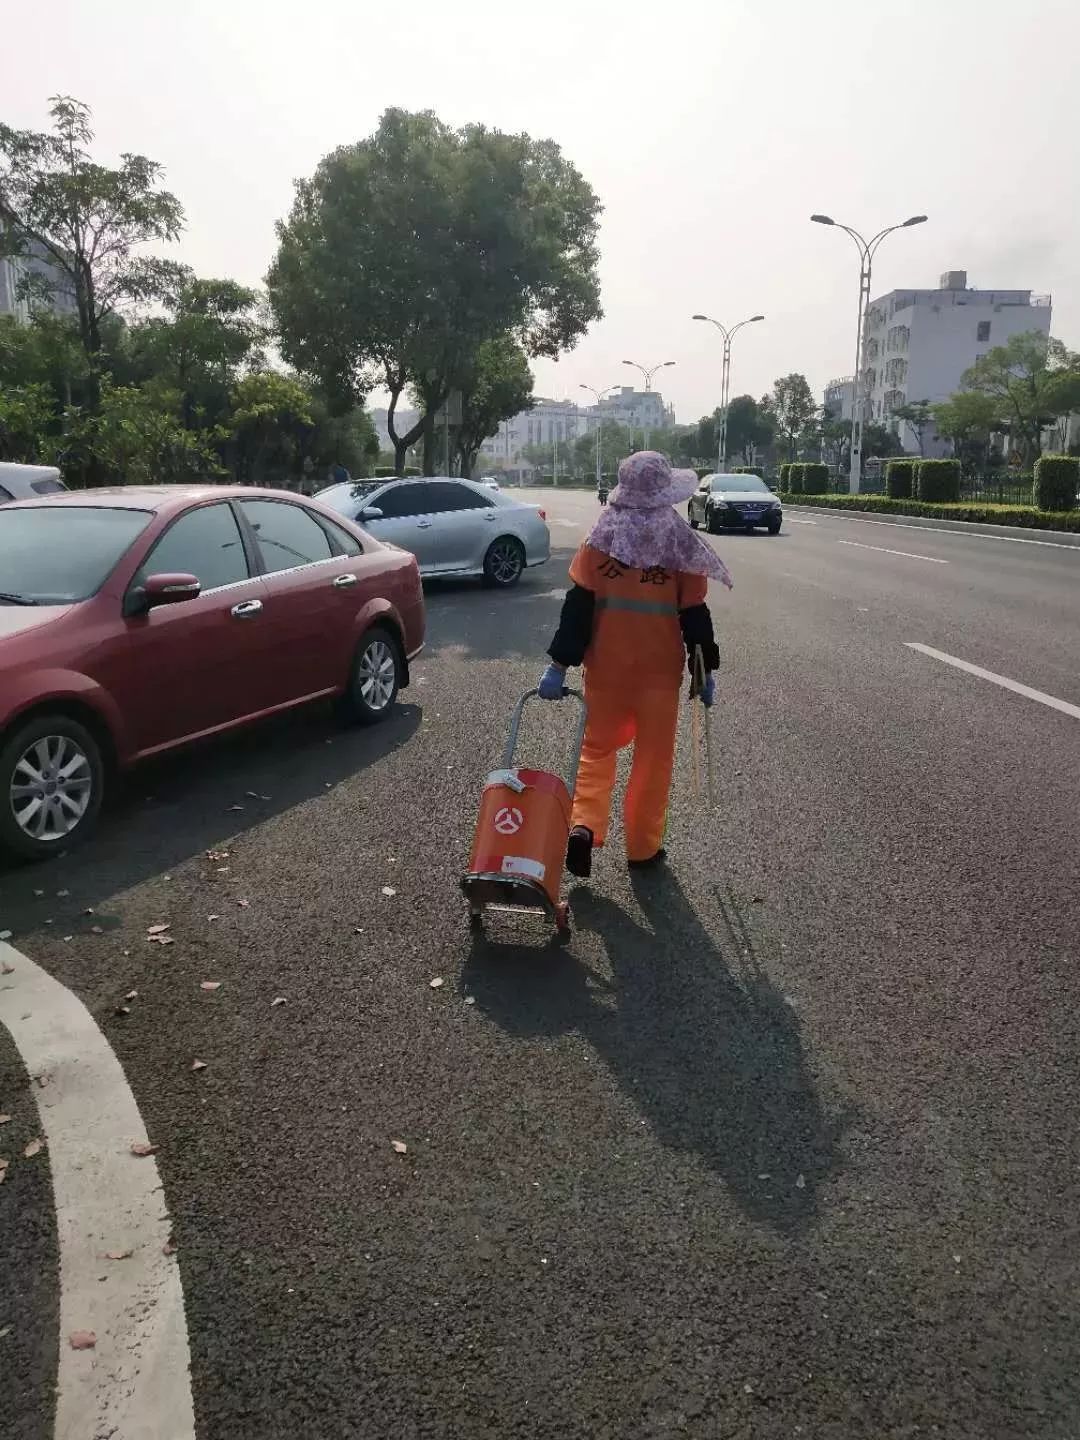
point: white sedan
(453, 527)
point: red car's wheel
(375, 678)
(52, 782)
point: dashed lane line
(135, 1381)
(881, 550)
(1006, 684)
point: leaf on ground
(119, 1254)
(158, 929)
(82, 1340)
(400, 1147)
(89, 910)
(470, 999)
(32, 1149)
(389, 890)
(132, 995)
(39, 893)
(62, 894)
(4, 1119)
(217, 855)
(277, 1000)
(6, 969)
(122, 1010)
(198, 1065)
(5, 934)
(213, 917)
(169, 1248)
(437, 983)
(236, 807)
(244, 904)
(96, 930)
(161, 939)
(800, 1182)
(211, 984)
(143, 1147)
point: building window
(983, 330)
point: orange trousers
(648, 719)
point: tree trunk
(430, 443)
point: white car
(27, 482)
(453, 527)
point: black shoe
(579, 850)
(653, 860)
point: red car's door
(200, 664)
(307, 602)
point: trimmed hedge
(795, 478)
(1057, 479)
(387, 472)
(1026, 517)
(815, 479)
(782, 475)
(937, 482)
(900, 479)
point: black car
(735, 502)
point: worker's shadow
(695, 1033)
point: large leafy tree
(614, 447)
(86, 220)
(916, 415)
(792, 407)
(1031, 379)
(967, 419)
(497, 384)
(750, 427)
(405, 252)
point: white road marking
(881, 550)
(946, 530)
(1006, 684)
(796, 520)
(570, 524)
(135, 1382)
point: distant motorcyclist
(602, 492)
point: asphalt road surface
(782, 1143)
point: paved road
(783, 1143)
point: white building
(918, 343)
(35, 262)
(639, 410)
(839, 397)
(549, 422)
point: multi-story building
(35, 262)
(562, 422)
(918, 343)
(839, 398)
(642, 410)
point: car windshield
(55, 555)
(343, 497)
(746, 484)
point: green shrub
(384, 472)
(815, 479)
(795, 479)
(937, 482)
(900, 479)
(1057, 478)
(783, 475)
(1026, 517)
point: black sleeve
(697, 630)
(575, 627)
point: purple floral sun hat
(640, 528)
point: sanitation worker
(634, 615)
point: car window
(446, 496)
(288, 536)
(5, 494)
(402, 500)
(205, 543)
(348, 499)
(56, 554)
(348, 543)
(47, 487)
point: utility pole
(725, 379)
(600, 395)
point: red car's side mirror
(165, 589)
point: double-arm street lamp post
(600, 394)
(867, 250)
(648, 373)
(725, 378)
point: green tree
(879, 442)
(271, 414)
(26, 413)
(916, 415)
(495, 386)
(614, 447)
(1032, 379)
(86, 219)
(967, 420)
(133, 438)
(791, 405)
(749, 428)
(406, 251)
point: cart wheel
(562, 918)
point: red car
(135, 620)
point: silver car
(27, 482)
(453, 527)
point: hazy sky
(711, 129)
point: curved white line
(135, 1382)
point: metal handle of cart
(579, 736)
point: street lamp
(600, 394)
(725, 378)
(648, 386)
(867, 250)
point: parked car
(735, 502)
(453, 527)
(138, 619)
(23, 482)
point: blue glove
(707, 693)
(552, 683)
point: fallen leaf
(800, 1182)
(211, 984)
(125, 952)
(122, 1010)
(217, 855)
(82, 1340)
(400, 1146)
(62, 893)
(158, 929)
(389, 890)
(39, 892)
(222, 870)
(5, 934)
(470, 999)
(143, 1147)
(161, 940)
(89, 910)
(437, 983)
(169, 1248)
(118, 1254)
(244, 904)
(4, 1119)
(96, 930)
(132, 995)
(758, 900)
(34, 1148)
(69, 937)
(5, 1332)
(6, 969)
(213, 917)
(256, 796)
(277, 1000)
(236, 807)
(199, 1065)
